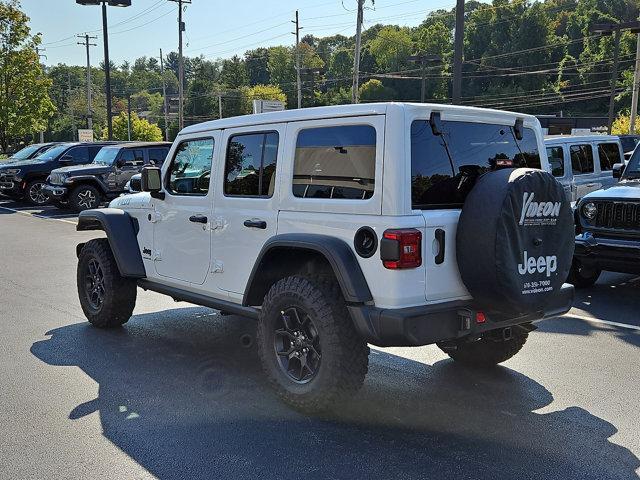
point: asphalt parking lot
(175, 394)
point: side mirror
(151, 181)
(66, 160)
(618, 170)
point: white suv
(334, 227)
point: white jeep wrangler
(335, 227)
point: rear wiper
(436, 128)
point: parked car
(26, 178)
(288, 218)
(583, 163)
(134, 185)
(629, 143)
(30, 151)
(609, 228)
(87, 186)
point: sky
(214, 28)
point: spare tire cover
(515, 240)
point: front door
(127, 165)
(182, 232)
(583, 167)
(246, 202)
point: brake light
(480, 317)
(401, 248)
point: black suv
(30, 151)
(87, 186)
(25, 178)
(608, 223)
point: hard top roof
(581, 138)
(335, 111)
(140, 144)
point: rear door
(444, 169)
(245, 206)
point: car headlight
(589, 210)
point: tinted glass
(335, 162)
(132, 158)
(190, 171)
(93, 151)
(632, 170)
(581, 159)
(79, 154)
(158, 155)
(445, 167)
(106, 155)
(556, 160)
(53, 153)
(609, 155)
(628, 143)
(251, 164)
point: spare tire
(515, 240)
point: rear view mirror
(618, 170)
(151, 181)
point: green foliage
(25, 104)
(622, 124)
(260, 92)
(374, 90)
(141, 129)
(391, 48)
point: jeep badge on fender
(280, 217)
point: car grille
(56, 178)
(6, 178)
(618, 215)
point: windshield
(26, 152)
(628, 143)
(52, 153)
(106, 156)
(632, 171)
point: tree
(391, 48)
(622, 124)
(234, 72)
(261, 92)
(141, 130)
(25, 105)
(374, 90)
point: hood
(21, 163)
(623, 190)
(88, 169)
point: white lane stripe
(605, 322)
(36, 215)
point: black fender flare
(121, 230)
(338, 254)
(87, 180)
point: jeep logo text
(548, 264)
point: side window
(335, 162)
(556, 160)
(79, 154)
(609, 154)
(190, 170)
(93, 151)
(250, 167)
(132, 158)
(581, 159)
(157, 156)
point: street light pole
(636, 87)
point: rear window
(335, 162)
(581, 159)
(609, 155)
(445, 167)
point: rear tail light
(401, 248)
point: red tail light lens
(401, 248)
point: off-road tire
(30, 195)
(84, 193)
(581, 277)
(485, 352)
(119, 292)
(344, 354)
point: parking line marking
(605, 322)
(37, 215)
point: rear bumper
(613, 254)
(429, 324)
(55, 192)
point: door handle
(440, 237)
(198, 219)
(255, 224)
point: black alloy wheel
(297, 345)
(94, 284)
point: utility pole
(356, 56)
(73, 123)
(89, 106)
(458, 53)
(422, 59)
(40, 55)
(181, 29)
(636, 87)
(107, 72)
(298, 80)
(164, 96)
(616, 29)
(129, 116)
(219, 105)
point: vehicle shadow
(45, 211)
(181, 394)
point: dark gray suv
(83, 187)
